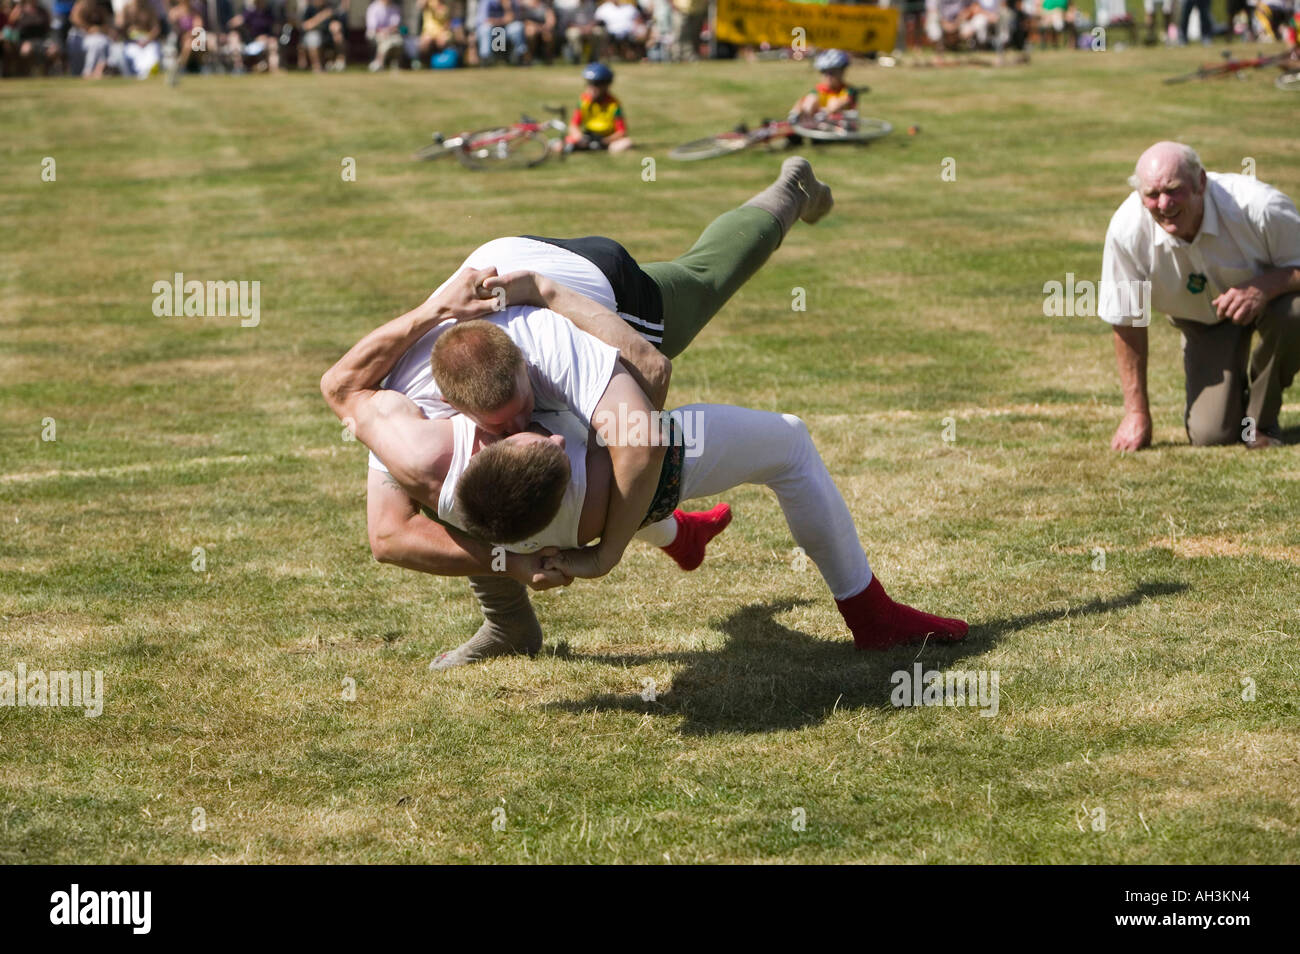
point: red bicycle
(524, 144)
(839, 127)
(1231, 67)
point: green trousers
(697, 284)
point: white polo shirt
(1248, 227)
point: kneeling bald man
(1222, 255)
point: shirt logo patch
(1196, 283)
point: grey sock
(485, 644)
(510, 627)
(796, 194)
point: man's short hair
(510, 492)
(477, 366)
(1190, 168)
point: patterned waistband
(668, 493)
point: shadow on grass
(769, 677)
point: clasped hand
(481, 293)
(586, 562)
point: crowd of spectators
(94, 38)
(954, 25)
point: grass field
(1121, 688)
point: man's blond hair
(477, 366)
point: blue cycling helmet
(598, 73)
(831, 60)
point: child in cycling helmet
(598, 122)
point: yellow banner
(807, 26)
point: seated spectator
(30, 39)
(980, 24)
(499, 31)
(691, 17)
(384, 31)
(663, 18)
(1112, 15)
(1018, 29)
(1056, 19)
(185, 23)
(584, 35)
(943, 22)
(539, 29)
(62, 20)
(435, 29)
(321, 22)
(91, 37)
(1275, 20)
(625, 26)
(8, 40)
(255, 38)
(140, 51)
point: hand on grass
(1133, 433)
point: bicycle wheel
(1289, 82)
(861, 130)
(503, 148)
(711, 147)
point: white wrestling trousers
(738, 445)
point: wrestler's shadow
(769, 677)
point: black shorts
(635, 292)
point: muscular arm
(635, 476)
(387, 422)
(356, 375)
(650, 369)
(401, 535)
(1134, 431)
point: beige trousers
(1227, 382)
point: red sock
(877, 622)
(694, 531)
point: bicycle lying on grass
(524, 144)
(839, 127)
(1231, 67)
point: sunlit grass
(1121, 688)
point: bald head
(1171, 181)
(1167, 160)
